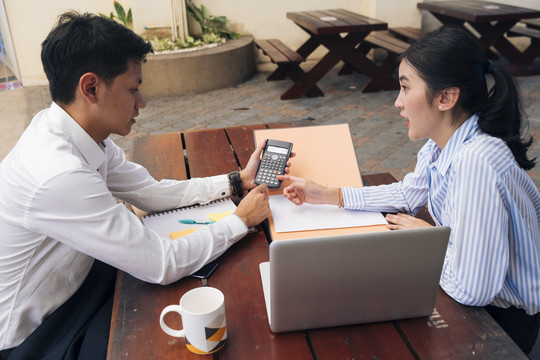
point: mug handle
(168, 330)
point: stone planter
(199, 71)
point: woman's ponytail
(503, 116)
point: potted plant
(211, 59)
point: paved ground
(378, 133)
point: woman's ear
(88, 87)
(448, 99)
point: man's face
(120, 103)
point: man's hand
(405, 221)
(247, 175)
(254, 208)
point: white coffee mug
(203, 317)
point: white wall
(30, 21)
(267, 19)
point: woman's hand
(303, 190)
(405, 221)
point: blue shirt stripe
(474, 186)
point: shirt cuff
(237, 226)
(221, 186)
(353, 198)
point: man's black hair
(82, 43)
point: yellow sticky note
(219, 216)
(177, 234)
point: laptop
(353, 279)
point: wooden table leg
(493, 35)
(347, 68)
(311, 77)
(377, 78)
(446, 20)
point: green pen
(202, 222)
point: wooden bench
(532, 23)
(533, 50)
(288, 62)
(393, 47)
(408, 34)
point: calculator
(273, 162)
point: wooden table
(326, 28)
(492, 21)
(452, 332)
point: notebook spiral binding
(160, 213)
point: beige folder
(324, 154)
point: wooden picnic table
(340, 31)
(453, 331)
(492, 21)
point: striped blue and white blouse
(474, 186)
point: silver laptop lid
(352, 279)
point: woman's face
(422, 118)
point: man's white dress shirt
(59, 211)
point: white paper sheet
(289, 217)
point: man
(62, 231)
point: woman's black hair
(450, 57)
(81, 43)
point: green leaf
(120, 10)
(220, 19)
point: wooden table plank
(315, 22)
(131, 335)
(368, 341)
(243, 142)
(203, 148)
(456, 331)
(135, 330)
(238, 277)
(161, 154)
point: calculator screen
(278, 150)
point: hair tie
(489, 67)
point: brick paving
(379, 134)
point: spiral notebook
(167, 223)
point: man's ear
(448, 98)
(88, 87)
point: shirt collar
(92, 152)
(461, 135)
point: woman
(470, 173)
